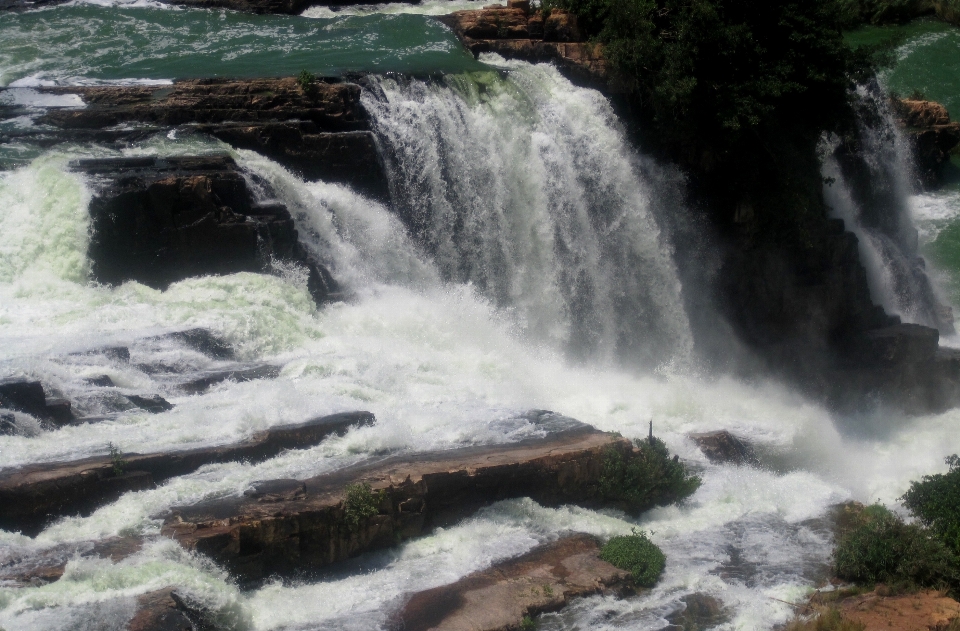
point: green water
(928, 59)
(80, 43)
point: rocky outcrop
(318, 128)
(33, 495)
(47, 566)
(289, 526)
(160, 220)
(28, 396)
(922, 611)
(723, 447)
(545, 579)
(933, 135)
(516, 33)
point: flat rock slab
(497, 599)
(299, 526)
(924, 611)
(49, 565)
(31, 496)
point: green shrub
(361, 503)
(885, 549)
(636, 554)
(306, 80)
(649, 478)
(935, 501)
(116, 458)
(527, 624)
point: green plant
(527, 624)
(547, 591)
(306, 80)
(647, 478)
(361, 503)
(636, 554)
(935, 501)
(885, 549)
(116, 458)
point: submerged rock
(545, 579)
(301, 526)
(30, 496)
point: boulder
(202, 384)
(31, 496)
(159, 611)
(723, 447)
(561, 26)
(28, 396)
(161, 220)
(299, 526)
(545, 579)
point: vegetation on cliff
(651, 479)
(881, 547)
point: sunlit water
(448, 344)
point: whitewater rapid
(448, 345)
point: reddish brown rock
(294, 526)
(158, 611)
(32, 495)
(923, 611)
(932, 133)
(561, 26)
(497, 599)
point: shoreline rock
(33, 495)
(289, 527)
(543, 580)
(931, 132)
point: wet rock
(115, 353)
(257, 535)
(545, 579)
(154, 404)
(203, 341)
(8, 425)
(47, 566)
(158, 611)
(161, 220)
(102, 381)
(699, 612)
(202, 384)
(932, 133)
(31, 496)
(724, 447)
(28, 396)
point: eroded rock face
(160, 220)
(932, 133)
(516, 33)
(32, 495)
(545, 579)
(300, 526)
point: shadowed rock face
(545, 579)
(299, 526)
(160, 220)
(32, 495)
(934, 136)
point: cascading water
(527, 189)
(870, 186)
(524, 230)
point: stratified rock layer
(161, 220)
(290, 526)
(545, 579)
(32, 495)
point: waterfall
(868, 182)
(523, 185)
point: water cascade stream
(522, 264)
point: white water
(441, 364)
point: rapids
(541, 277)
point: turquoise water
(83, 43)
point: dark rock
(160, 220)
(116, 353)
(296, 529)
(158, 611)
(344, 157)
(154, 404)
(932, 133)
(28, 396)
(48, 565)
(545, 579)
(203, 384)
(103, 381)
(722, 446)
(32, 495)
(700, 612)
(8, 425)
(203, 341)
